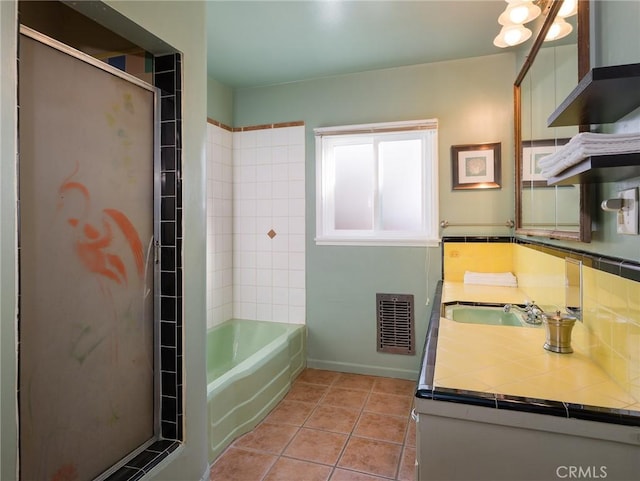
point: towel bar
(446, 223)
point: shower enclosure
(87, 336)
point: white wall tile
(264, 155)
(296, 261)
(297, 315)
(280, 136)
(255, 183)
(295, 135)
(280, 173)
(263, 137)
(264, 277)
(281, 260)
(296, 243)
(295, 154)
(281, 313)
(296, 189)
(297, 279)
(280, 278)
(296, 225)
(280, 295)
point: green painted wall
(180, 24)
(8, 243)
(472, 99)
(219, 102)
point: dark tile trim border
(427, 390)
(168, 77)
(280, 125)
(478, 239)
(137, 467)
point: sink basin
(489, 314)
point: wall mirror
(548, 74)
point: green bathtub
(250, 366)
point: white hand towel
(506, 279)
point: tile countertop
(511, 361)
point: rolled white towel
(506, 279)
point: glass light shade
(559, 29)
(519, 12)
(512, 35)
(569, 8)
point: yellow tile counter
(511, 360)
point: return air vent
(395, 323)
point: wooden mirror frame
(583, 234)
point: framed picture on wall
(532, 152)
(476, 166)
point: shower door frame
(156, 218)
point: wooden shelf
(600, 168)
(604, 95)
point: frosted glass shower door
(86, 346)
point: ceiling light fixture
(569, 8)
(519, 12)
(559, 29)
(512, 35)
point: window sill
(378, 242)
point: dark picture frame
(532, 152)
(476, 166)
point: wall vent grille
(396, 333)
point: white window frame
(326, 137)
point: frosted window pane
(401, 185)
(353, 190)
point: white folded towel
(506, 279)
(584, 145)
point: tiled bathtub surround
(269, 223)
(219, 224)
(611, 296)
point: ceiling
(256, 43)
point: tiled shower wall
(256, 223)
(269, 224)
(219, 225)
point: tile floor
(330, 426)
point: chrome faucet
(532, 313)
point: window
(377, 184)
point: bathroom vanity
(493, 404)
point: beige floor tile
(389, 385)
(237, 464)
(346, 475)
(290, 412)
(389, 404)
(318, 376)
(355, 381)
(348, 398)
(379, 426)
(272, 438)
(306, 392)
(286, 469)
(316, 446)
(371, 456)
(407, 471)
(333, 418)
(410, 439)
